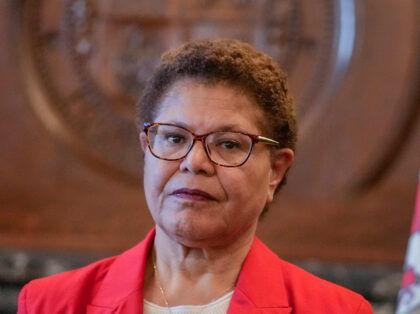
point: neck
(208, 272)
(174, 256)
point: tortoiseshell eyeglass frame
(202, 138)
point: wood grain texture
(350, 195)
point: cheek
(148, 180)
(156, 175)
(247, 188)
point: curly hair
(236, 63)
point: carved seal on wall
(86, 62)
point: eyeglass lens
(225, 148)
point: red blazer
(266, 284)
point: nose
(197, 160)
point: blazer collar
(122, 288)
(260, 286)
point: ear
(281, 160)
(143, 141)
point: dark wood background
(350, 195)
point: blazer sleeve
(22, 306)
(365, 307)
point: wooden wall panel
(351, 192)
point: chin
(200, 233)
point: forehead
(207, 107)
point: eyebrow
(230, 127)
(224, 128)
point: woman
(218, 132)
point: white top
(219, 306)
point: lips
(193, 194)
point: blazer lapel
(122, 289)
(260, 287)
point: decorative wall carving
(87, 61)
(80, 65)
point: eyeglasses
(227, 149)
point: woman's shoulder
(301, 290)
(94, 271)
(67, 289)
(305, 289)
(74, 290)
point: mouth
(193, 194)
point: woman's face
(237, 195)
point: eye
(228, 144)
(175, 138)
